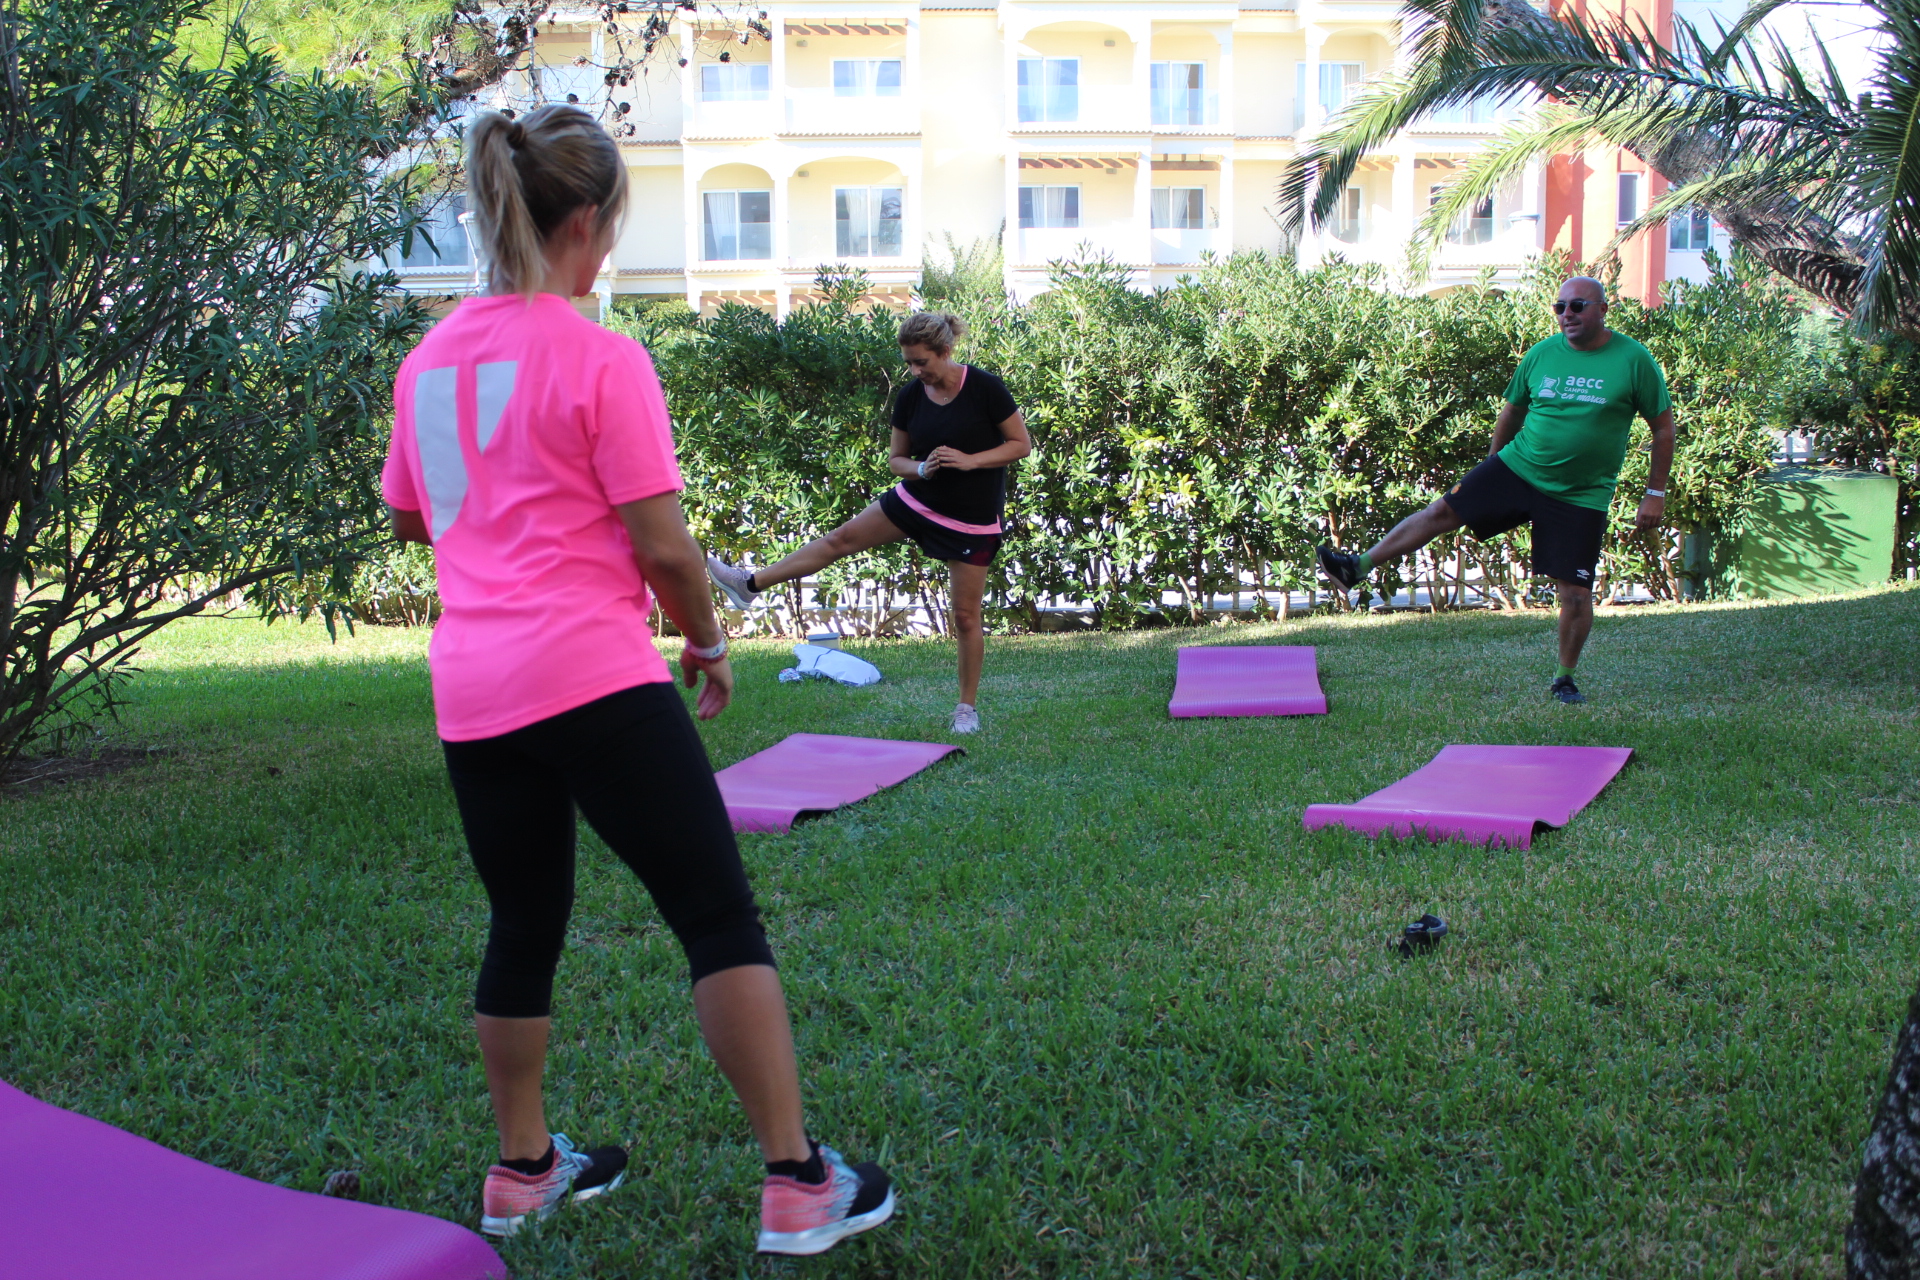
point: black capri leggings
(640, 774)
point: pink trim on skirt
(946, 522)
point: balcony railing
(753, 118)
(1175, 245)
(823, 111)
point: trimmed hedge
(1227, 425)
(1231, 423)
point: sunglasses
(1576, 306)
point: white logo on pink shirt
(436, 426)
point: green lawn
(1090, 991)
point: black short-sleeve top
(970, 422)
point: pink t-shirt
(517, 427)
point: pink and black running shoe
(802, 1218)
(510, 1198)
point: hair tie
(516, 135)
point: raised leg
(1576, 620)
(969, 625)
(1415, 532)
(870, 528)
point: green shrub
(1860, 400)
(1231, 423)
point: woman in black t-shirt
(955, 429)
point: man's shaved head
(1586, 287)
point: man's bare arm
(1506, 426)
(1659, 467)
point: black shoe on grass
(1342, 566)
(1565, 690)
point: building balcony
(753, 118)
(1037, 246)
(1179, 246)
(823, 111)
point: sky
(1847, 30)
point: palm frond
(1887, 148)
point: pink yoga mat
(92, 1202)
(1247, 680)
(1483, 795)
(813, 772)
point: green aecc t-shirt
(1580, 407)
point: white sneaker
(966, 719)
(732, 582)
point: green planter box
(1812, 531)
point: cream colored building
(867, 132)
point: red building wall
(1582, 195)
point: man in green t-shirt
(1555, 458)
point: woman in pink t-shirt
(531, 448)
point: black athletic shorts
(936, 540)
(1566, 539)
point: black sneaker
(1565, 690)
(1342, 566)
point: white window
(1346, 223)
(866, 77)
(1476, 111)
(1339, 81)
(1179, 92)
(581, 86)
(733, 82)
(1689, 229)
(1475, 227)
(1184, 208)
(1049, 89)
(442, 226)
(866, 222)
(739, 224)
(1629, 197)
(1049, 206)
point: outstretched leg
(1405, 538)
(1415, 532)
(869, 529)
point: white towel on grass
(816, 662)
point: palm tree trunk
(1883, 1243)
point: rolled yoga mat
(815, 772)
(105, 1205)
(1247, 680)
(1483, 795)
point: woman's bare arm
(676, 569)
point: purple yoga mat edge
(1402, 824)
(166, 1197)
(756, 812)
(1189, 661)
(1510, 829)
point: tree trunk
(1884, 1241)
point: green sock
(1563, 671)
(1366, 564)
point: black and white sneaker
(1342, 566)
(732, 582)
(1564, 689)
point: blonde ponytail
(935, 330)
(525, 176)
